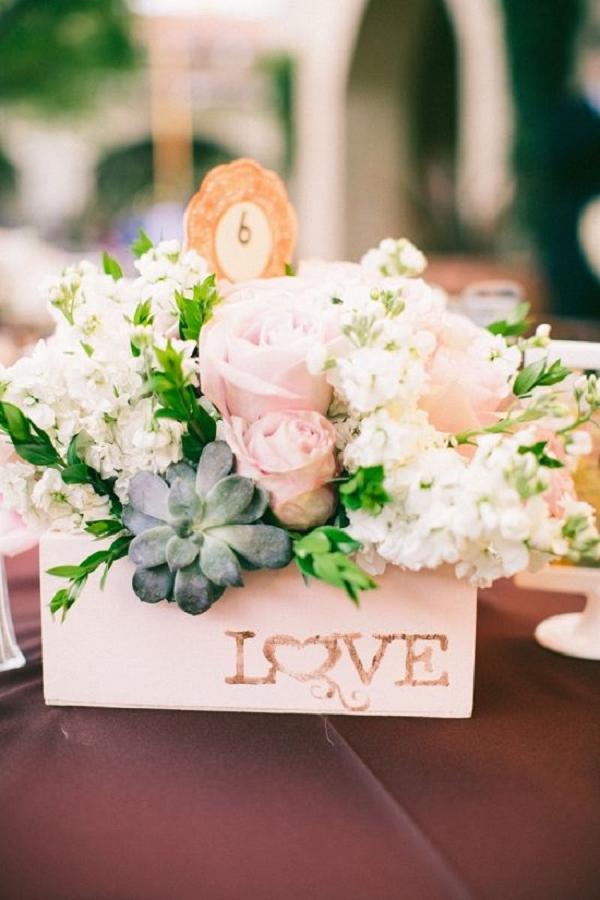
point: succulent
(196, 530)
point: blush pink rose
(291, 454)
(466, 387)
(253, 354)
(562, 486)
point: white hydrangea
(163, 270)
(487, 517)
(394, 257)
(85, 380)
(393, 441)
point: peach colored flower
(253, 355)
(291, 454)
(469, 376)
(562, 486)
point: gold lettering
(367, 675)
(425, 658)
(329, 643)
(240, 676)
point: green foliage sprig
(34, 446)
(142, 316)
(77, 471)
(178, 401)
(539, 374)
(196, 310)
(111, 266)
(536, 374)
(515, 325)
(324, 553)
(365, 490)
(141, 244)
(31, 442)
(77, 576)
(539, 451)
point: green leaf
(104, 527)
(203, 424)
(315, 541)
(539, 451)
(178, 401)
(16, 422)
(111, 266)
(528, 377)
(67, 571)
(195, 311)
(88, 349)
(91, 562)
(141, 244)
(75, 474)
(323, 554)
(61, 600)
(539, 374)
(73, 456)
(365, 490)
(77, 575)
(550, 462)
(340, 539)
(192, 447)
(143, 313)
(289, 269)
(556, 373)
(117, 550)
(31, 443)
(514, 326)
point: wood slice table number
(242, 222)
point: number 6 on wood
(242, 222)
(244, 233)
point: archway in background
(428, 124)
(401, 110)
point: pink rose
(469, 377)
(561, 485)
(253, 354)
(292, 455)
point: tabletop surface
(101, 804)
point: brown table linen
(101, 804)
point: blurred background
(470, 126)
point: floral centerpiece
(340, 418)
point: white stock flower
(389, 440)
(394, 257)
(579, 443)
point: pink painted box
(276, 646)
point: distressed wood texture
(275, 645)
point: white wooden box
(275, 645)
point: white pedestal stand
(572, 634)
(10, 655)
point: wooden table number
(242, 222)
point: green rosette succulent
(196, 530)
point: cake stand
(572, 634)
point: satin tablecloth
(100, 804)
